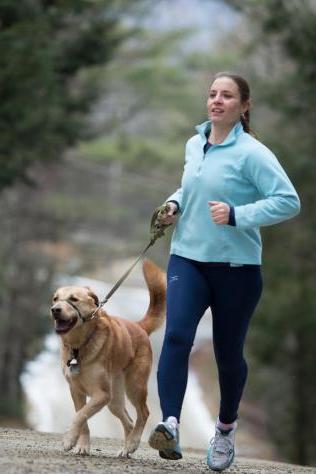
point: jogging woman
(232, 185)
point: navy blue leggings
(232, 293)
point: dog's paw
(123, 453)
(129, 449)
(82, 449)
(83, 445)
(69, 441)
(132, 445)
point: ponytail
(245, 122)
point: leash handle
(157, 228)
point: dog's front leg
(98, 400)
(83, 443)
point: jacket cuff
(176, 203)
(232, 219)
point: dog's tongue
(62, 325)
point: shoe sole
(170, 454)
(162, 439)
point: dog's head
(71, 306)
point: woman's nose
(218, 98)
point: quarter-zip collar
(205, 128)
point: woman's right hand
(170, 216)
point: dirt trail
(26, 451)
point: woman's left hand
(219, 212)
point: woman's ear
(246, 106)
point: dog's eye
(73, 298)
(55, 298)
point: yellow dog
(105, 357)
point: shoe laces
(221, 444)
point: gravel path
(26, 451)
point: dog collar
(73, 361)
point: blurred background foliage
(96, 106)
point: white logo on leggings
(174, 278)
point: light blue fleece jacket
(243, 173)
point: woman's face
(224, 104)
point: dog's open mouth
(62, 326)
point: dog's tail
(156, 311)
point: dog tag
(74, 366)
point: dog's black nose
(55, 311)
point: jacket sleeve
(279, 200)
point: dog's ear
(94, 296)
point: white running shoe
(165, 438)
(221, 451)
